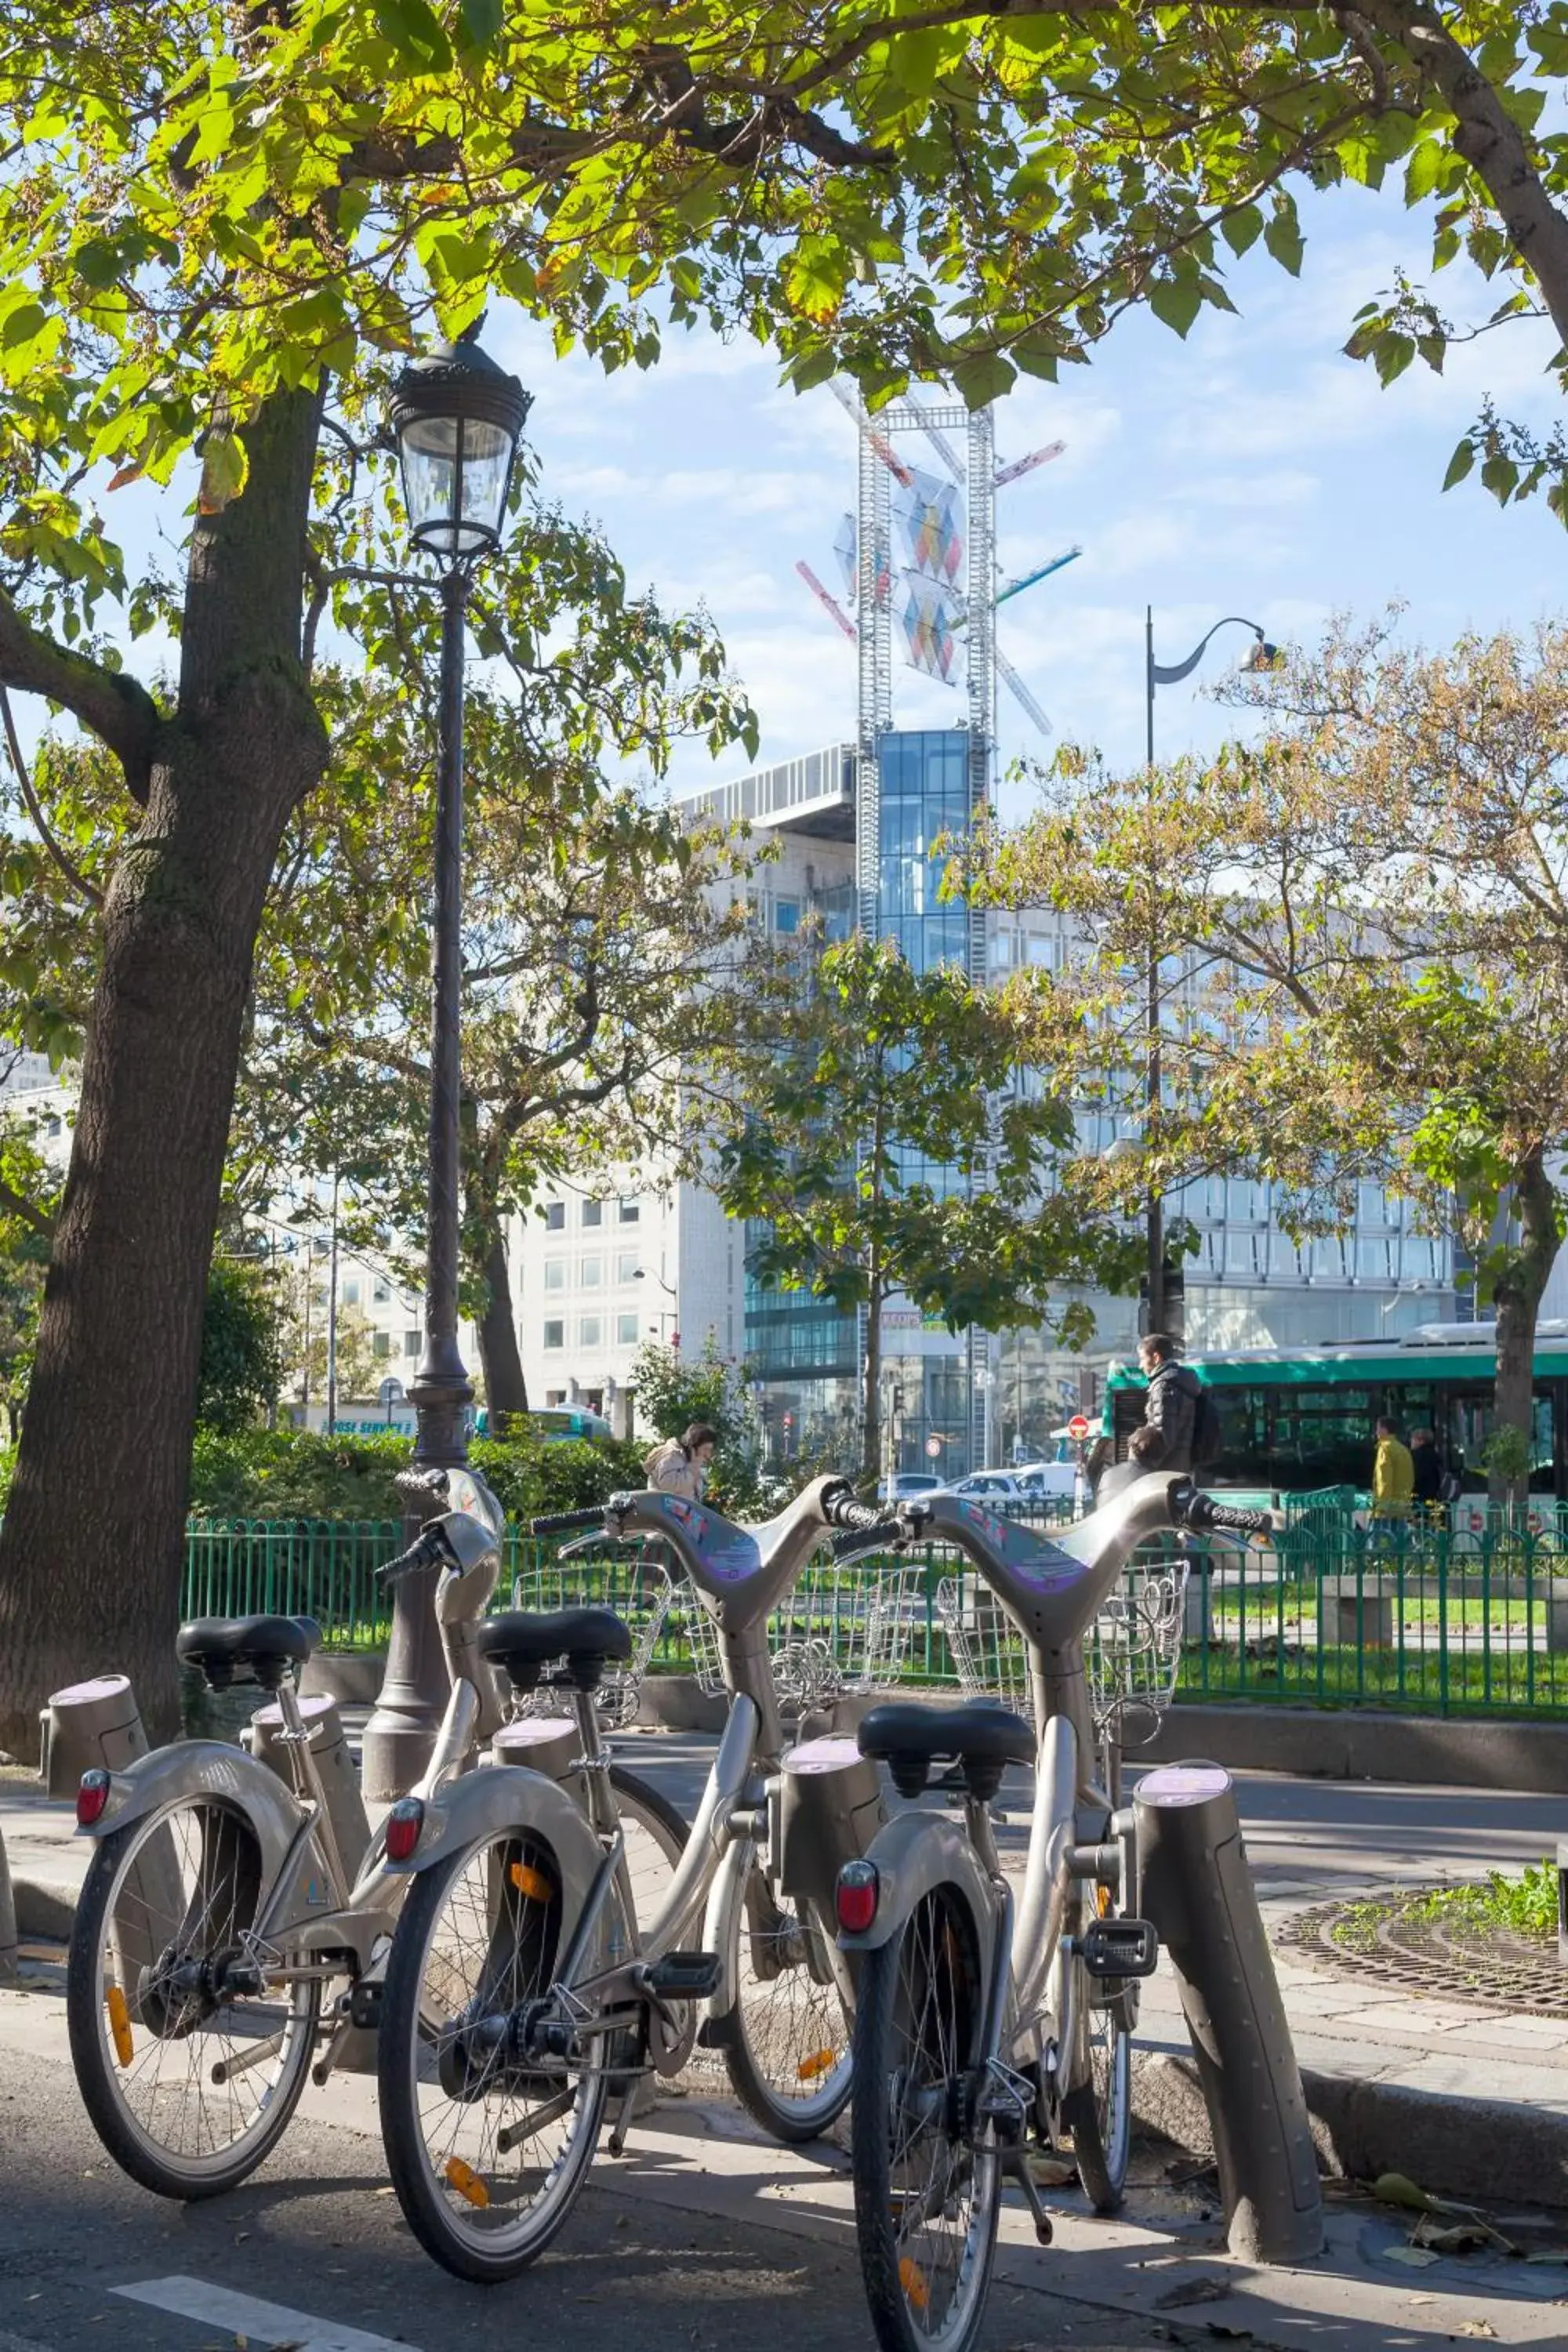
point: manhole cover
(1396, 1938)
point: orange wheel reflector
(466, 2182)
(119, 2023)
(532, 1882)
(817, 2063)
(1102, 1901)
(913, 2279)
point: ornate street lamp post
(457, 419)
(1263, 657)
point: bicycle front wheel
(189, 2075)
(1099, 2110)
(927, 2178)
(787, 2038)
(486, 2152)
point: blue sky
(1251, 469)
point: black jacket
(1172, 1408)
(1428, 1474)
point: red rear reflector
(404, 1824)
(91, 1798)
(854, 1897)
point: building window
(591, 1272)
(381, 1343)
(554, 1396)
(382, 1292)
(625, 1330)
(351, 1293)
(593, 1212)
(555, 1273)
(555, 1217)
(590, 1330)
(555, 1334)
(786, 914)
(631, 1212)
(411, 1343)
(626, 1266)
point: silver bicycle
(238, 1912)
(528, 1989)
(978, 2038)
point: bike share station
(1173, 1855)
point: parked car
(1047, 1478)
(905, 1482)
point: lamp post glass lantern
(457, 419)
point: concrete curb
(1366, 1744)
(1487, 2149)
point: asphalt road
(1296, 1830)
(318, 2237)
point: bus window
(1322, 1437)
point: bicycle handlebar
(430, 1551)
(867, 1534)
(556, 1523)
(841, 1510)
(1201, 1513)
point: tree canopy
(1363, 923)
(891, 1141)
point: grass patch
(1522, 1905)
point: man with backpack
(1181, 1423)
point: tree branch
(1490, 142)
(17, 1205)
(116, 708)
(76, 879)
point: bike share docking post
(1197, 1890)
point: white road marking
(262, 2323)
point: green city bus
(1295, 1422)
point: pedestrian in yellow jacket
(1393, 1476)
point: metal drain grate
(1386, 1937)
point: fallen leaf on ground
(1416, 2257)
(1477, 2327)
(1457, 2237)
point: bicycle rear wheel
(189, 2067)
(787, 2040)
(927, 2183)
(487, 2154)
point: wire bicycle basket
(631, 1579)
(841, 1630)
(1132, 1650)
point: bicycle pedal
(1119, 1947)
(686, 1976)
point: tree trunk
(1517, 1293)
(506, 1391)
(92, 1550)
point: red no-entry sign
(1078, 1427)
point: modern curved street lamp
(1262, 656)
(457, 418)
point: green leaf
(23, 325)
(1241, 230)
(482, 21)
(1176, 301)
(1425, 170)
(1460, 463)
(1282, 236)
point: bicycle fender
(508, 1797)
(915, 1853)
(206, 1767)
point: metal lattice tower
(874, 635)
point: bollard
(1198, 1892)
(98, 1724)
(339, 1781)
(8, 1937)
(92, 1724)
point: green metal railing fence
(1462, 1611)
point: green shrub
(262, 1474)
